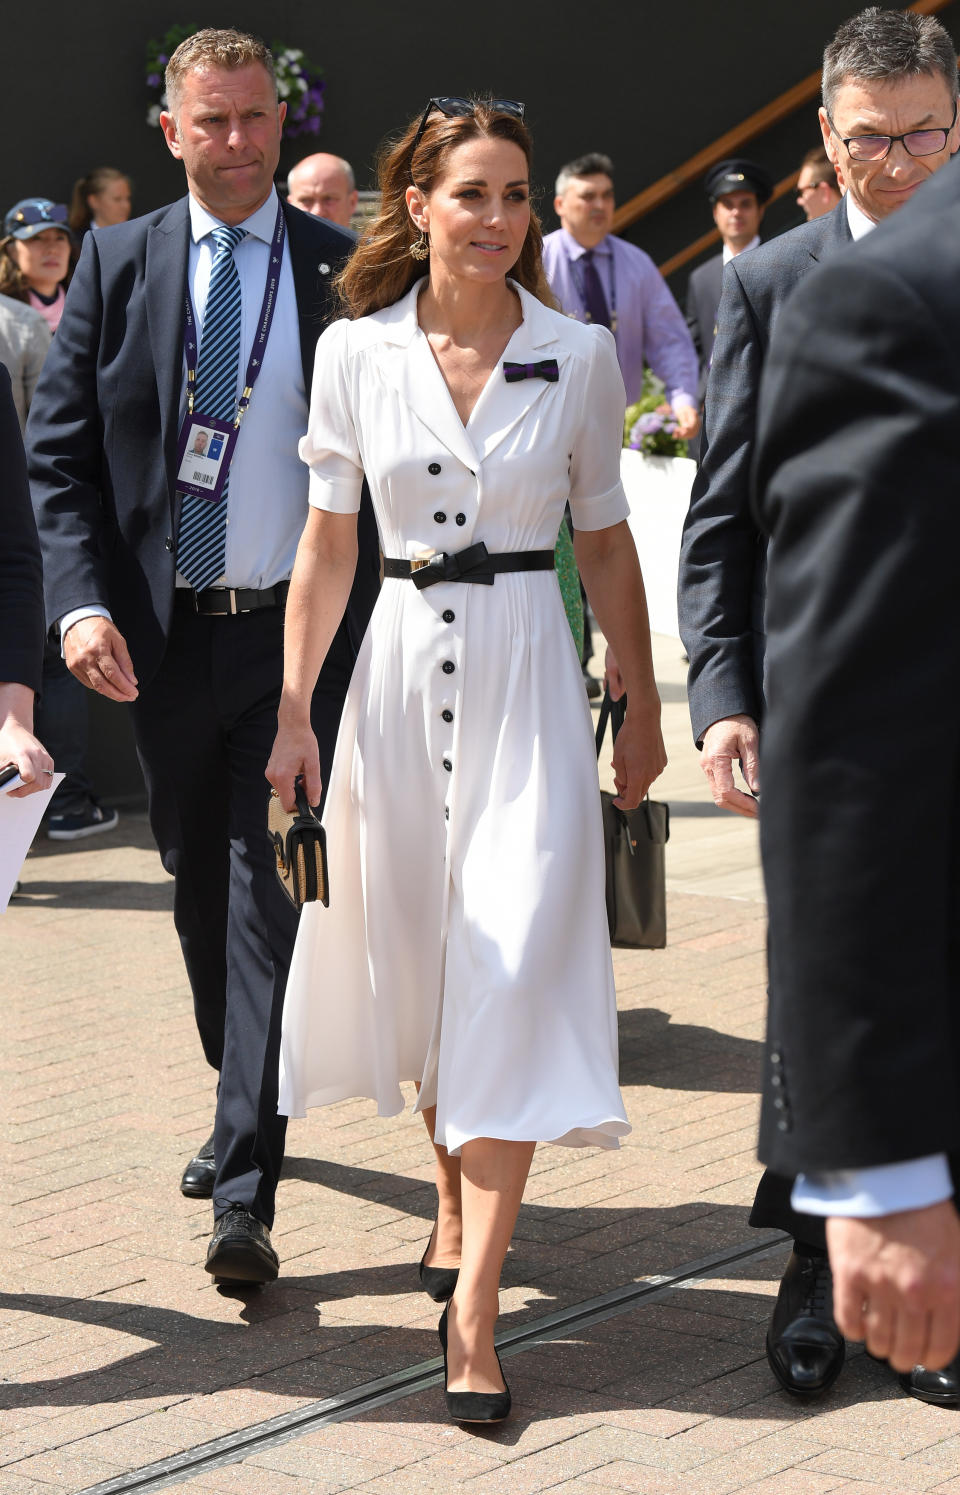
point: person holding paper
(21, 609)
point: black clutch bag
(300, 847)
(634, 844)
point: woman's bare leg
(444, 1247)
(493, 1174)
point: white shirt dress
(466, 942)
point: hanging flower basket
(299, 81)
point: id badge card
(203, 456)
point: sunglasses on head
(454, 108)
(39, 212)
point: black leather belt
(473, 564)
(223, 602)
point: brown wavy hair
(381, 270)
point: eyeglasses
(455, 108)
(877, 147)
(40, 212)
(809, 187)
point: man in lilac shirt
(598, 277)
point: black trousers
(204, 728)
(772, 1210)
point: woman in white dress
(465, 946)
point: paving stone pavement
(116, 1351)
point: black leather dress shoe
(941, 1387)
(240, 1249)
(199, 1174)
(804, 1346)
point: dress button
(461, 518)
(433, 469)
(448, 765)
(446, 812)
(448, 616)
(448, 666)
(447, 716)
(440, 517)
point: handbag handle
(612, 711)
(304, 808)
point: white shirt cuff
(862, 1193)
(68, 619)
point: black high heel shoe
(473, 1406)
(439, 1282)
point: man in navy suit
(889, 119)
(198, 656)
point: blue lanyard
(255, 361)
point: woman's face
(478, 213)
(42, 260)
(112, 204)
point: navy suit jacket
(856, 486)
(703, 299)
(102, 433)
(723, 555)
(21, 585)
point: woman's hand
(639, 755)
(295, 752)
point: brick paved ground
(116, 1351)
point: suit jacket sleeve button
(168, 543)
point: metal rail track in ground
(232, 1448)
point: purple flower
(648, 424)
(153, 80)
(162, 60)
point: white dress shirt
(729, 255)
(891, 1187)
(267, 497)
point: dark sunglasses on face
(877, 147)
(454, 108)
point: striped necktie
(202, 539)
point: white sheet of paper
(19, 819)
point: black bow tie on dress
(546, 369)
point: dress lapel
(501, 405)
(407, 362)
(165, 282)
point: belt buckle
(232, 608)
(424, 558)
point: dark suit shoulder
(791, 253)
(319, 233)
(711, 270)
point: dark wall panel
(650, 82)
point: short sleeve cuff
(335, 495)
(864, 1193)
(601, 512)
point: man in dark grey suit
(738, 190)
(888, 120)
(856, 490)
(174, 604)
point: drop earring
(420, 248)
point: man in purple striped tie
(170, 498)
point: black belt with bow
(473, 564)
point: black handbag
(633, 842)
(299, 844)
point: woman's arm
(608, 564)
(319, 588)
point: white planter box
(658, 492)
